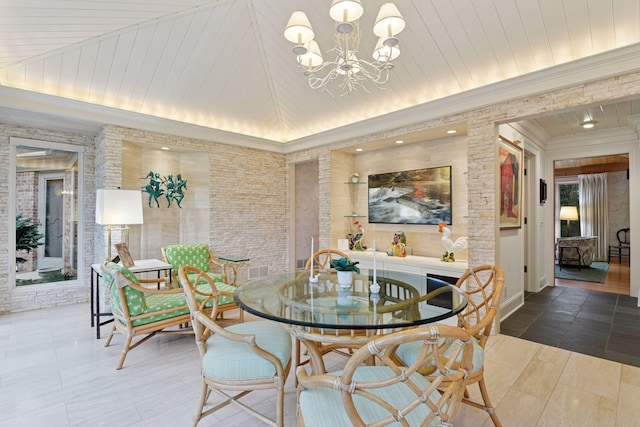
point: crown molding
(596, 67)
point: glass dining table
(326, 313)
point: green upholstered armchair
(380, 392)
(238, 359)
(196, 255)
(147, 311)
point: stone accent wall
(482, 137)
(246, 192)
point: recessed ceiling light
(164, 148)
(359, 149)
(588, 124)
(451, 131)
(399, 141)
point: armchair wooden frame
(205, 326)
(484, 286)
(123, 320)
(387, 392)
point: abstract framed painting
(510, 191)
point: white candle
(374, 262)
(311, 271)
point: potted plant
(355, 177)
(345, 269)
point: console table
(413, 264)
(141, 266)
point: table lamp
(568, 213)
(116, 210)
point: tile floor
(589, 322)
(53, 372)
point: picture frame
(419, 196)
(510, 160)
(125, 256)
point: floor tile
(73, 382)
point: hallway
(600, 320)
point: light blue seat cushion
(409, 351)
(322, 406)
(233, 360)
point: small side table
(236, 264)
(561, 258)
(141, 266)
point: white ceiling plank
(626, 15)
(556, 26)
(601, 24)
(104, 63)
(536, 33)
(578, 24)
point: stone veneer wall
(482, 139)
(41, 296)
(247, 195)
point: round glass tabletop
(403, 300)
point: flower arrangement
(355, 176)
(343, 264)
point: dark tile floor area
(588, 322)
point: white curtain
(594, 216)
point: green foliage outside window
(570, 196)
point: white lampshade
(313, 57)
(299, 29)
(389, 22)
(384, 53)
(346, 10)
(118, 207)
(569, 213)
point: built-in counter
(410, 264)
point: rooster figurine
(450, 246)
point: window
(569, 196)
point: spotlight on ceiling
(451, 131)
(588, 124)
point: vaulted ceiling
(225, 65)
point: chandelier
(347, 69)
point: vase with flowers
(355, 177)
(345, 270)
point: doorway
(616, 167)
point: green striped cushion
(232, 360)
(314, 402)
(409, 351)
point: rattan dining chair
(483, 286)
(322, 257)
(382, 393)
(238, 359)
